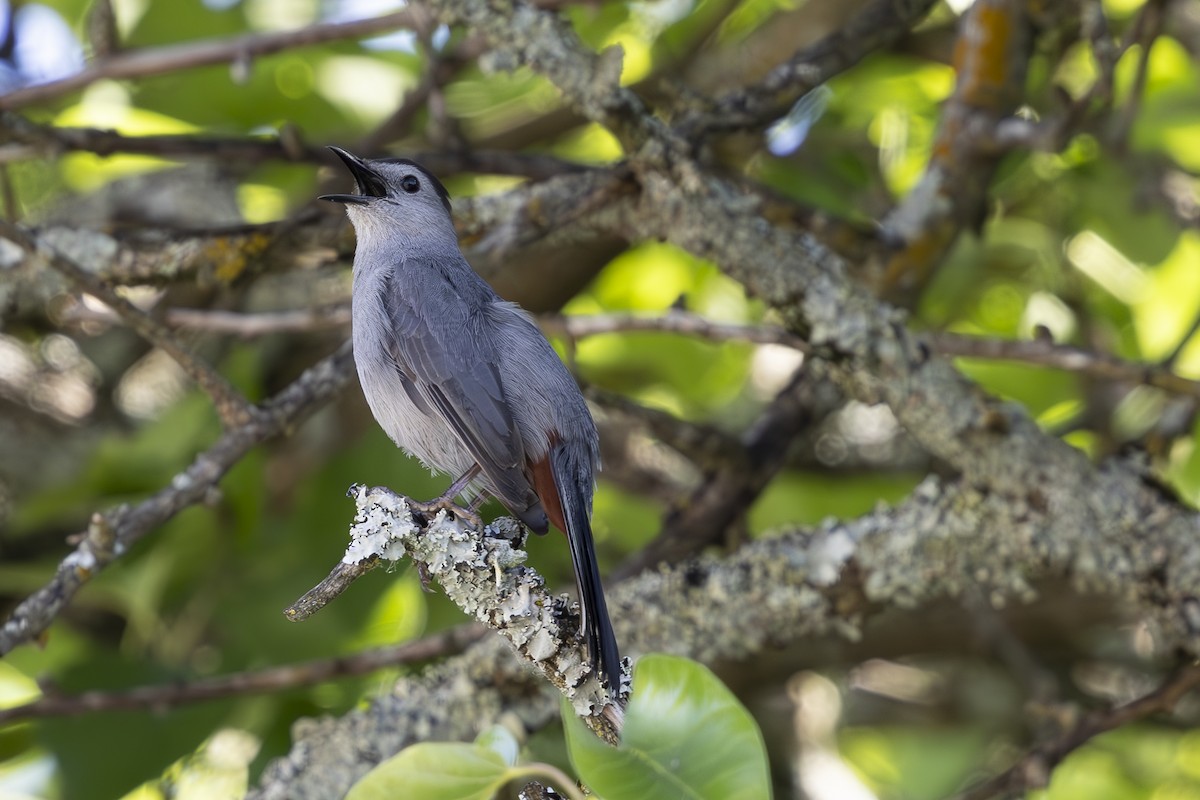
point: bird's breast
(426, 436)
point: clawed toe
(430, 509)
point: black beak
(369, 184)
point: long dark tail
(573, 480)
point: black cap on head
(437, 185)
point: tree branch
(947, 539)
(230, 405)
(275, 679)
(111, 533)
(877, 25)
(1033, 770)
(170, 58)
(729, 490)
(483, 573)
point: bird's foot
(424, 576)
(430, 508)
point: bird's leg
(445, 502)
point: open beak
(368, 183)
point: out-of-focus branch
(231, 406)
(1033, 770)
(275, 679)
(729, 491)
(582, 326)
(170, 58)
(1039, 352)
(523, 34)
(877, 25)
(990, 59)
(27, 139)
(1065, 357)
(243, 325)
(111, 533)
(704, 447)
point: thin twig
(879, 24)
(579, 327)
(25, 139)
(1034, 768)
(245, 326)
(1064, 357)
(275, 679)
(170, 58)
(1147, 27)
(230, 405)
(1035, 352)
(337, 581)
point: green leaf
(500, 740)
(435, 771)
(685, 736)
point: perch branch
(483, 573)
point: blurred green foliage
(1078, 242)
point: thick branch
(945, 541)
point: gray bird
(464, 380)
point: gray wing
(448, 366)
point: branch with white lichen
(946, 542)
(484, 574)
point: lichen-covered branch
(484, 574)
(521, 34)
(946, 540)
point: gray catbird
(465, 381)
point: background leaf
(685, 736)
(435, 771)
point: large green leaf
(686, 736)
(435, 771)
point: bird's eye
(410, 184)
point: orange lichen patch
(986, 55)
(231, 254)
(911, 266)
(947, 137)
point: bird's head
(393, 194)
